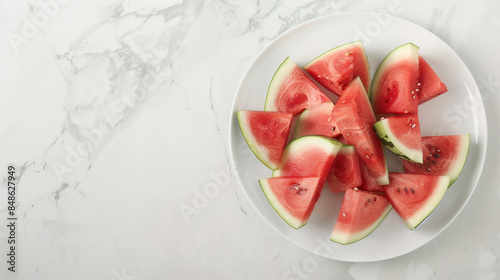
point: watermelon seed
(374, 199)
(414, 97)
(399, 190)
(413, 125)
(428, 169)
(369, 200)
(343, 214)
(367, 156)
(438, 151)
(333, 129)
(434, 162)
(431, 154)
(406, 190)
(412, 190)
(419, 84)
(428, 158)
(436, 155)
(416, 89)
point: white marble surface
(116, 114)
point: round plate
(459, 111)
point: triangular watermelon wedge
(355, 118)
(430, 85)
(291, 90)
(415, 196)
(335, 68)
(394, 85)
(293, 198)
(443, 155)
(361, 212)
(266, 134)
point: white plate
(459, 111)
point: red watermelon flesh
(293, 198)
(355, 93)
(394, 85)
(443, 155)
(308, 156)
(335, 68)
(361, 212)
(415, 196)
(358, 132)
(345, 172)
(317, 120)
(430, 85)
(266, 134)
(291, 90)
(368, 181)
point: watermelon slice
(345, 172)
(335, 68)
(361, 212)
(293, 198)
(430, 85)
(266, 134)
(394, 86)
(415, 196)
(308, 156)
(354, 118)
(401, 135)
(443, 155)
(291, 90)
(317, 120)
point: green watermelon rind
(278, 207)
(329, 52)
(460, 160)
(345, 239)
(395, 56)
(328, 145)
(257, 150)
(391, 142)
(432, 203)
